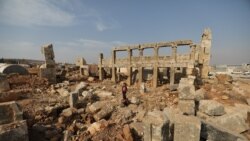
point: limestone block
(187, 128)
(105, 112)
(156, 126)
(211, 107)
(63, 92)
(187, 92)
(4, 84)
(135, 100)
(73, 99)
(49, 73)
(15, 131)
(200, 94)
(187, 106)
(95, 107)
(81, 87)
(214, 132)
(97, 126)
(10, 112)
(234, 122)
(104, 94)
(137, 127)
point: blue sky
(85, 28)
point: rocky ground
(99, 115)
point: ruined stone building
(197, 60)
(48, 70)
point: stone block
(234, 122)
(187, 106)
(200, 94)
(135, 100)
(10, 112)
(105, 112)
(63, 92)
(95, 107)
(15, 131)
(137, 128)
(97, 126)
(4, 84)
(103, 94)
(73, 99)
(156, 126)
(48, 73)
(186, 92)
(211, 107)
(81, 87)
(187, 128)
(213, 132)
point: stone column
(172, 69)
(155, 72)
(113, 66)
(140, 68)
(191, 64)
(129, 69)
(100, 67)
(192, 54)
(206, 43)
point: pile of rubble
(92, 110)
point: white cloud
(27, 50)
(89, 49)
(34, 12)
(65, 51)
(100, 26)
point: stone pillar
(155, 72)
(100, 67)
(206, 42)
(49, 69)
(113, 66)
(129, 69)
(140, 68)
(192, 54)
(172, 69)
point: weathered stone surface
(213, 132)
(135, 100)
(4, 84)
(248, 101)
(142, 88)
(63, 92)
(15, 131)
(187, 128)
(86, 94)
(73, 99)
(187, 106)
(67, 112)
(127, 133)
(81, 87)
(200, 94)
(91, 79)
(137, 128)
(105, 112)
(103, 94)
(211, 107)
(97, 126)
(48, 73)
(10, 112)
(95, 107)
(156, 126)
(234, 122)
(186, 92)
